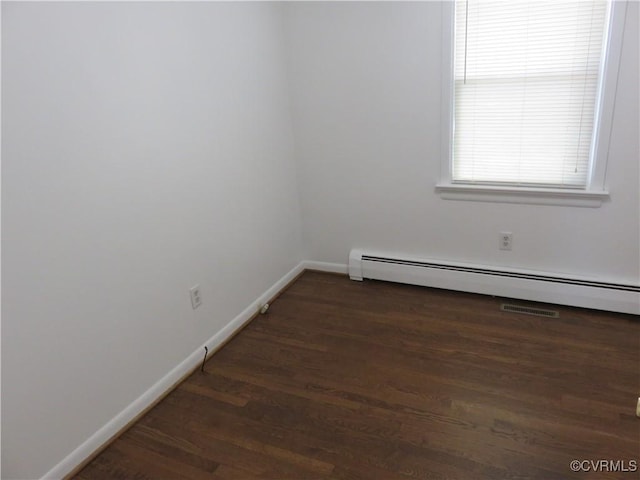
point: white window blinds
(527, 75)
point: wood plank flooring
(373, 380)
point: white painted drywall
(146, 148)
(365, 80)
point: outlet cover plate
(196, 299)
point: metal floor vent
(540, 312)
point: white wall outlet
(506, 240)
(196, 300)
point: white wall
(366, 94)
(146, 148)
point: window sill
(522, 195)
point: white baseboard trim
(115, 426)
(326, 266)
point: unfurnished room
(320, 240)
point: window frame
(595, 192)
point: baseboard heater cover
(519, 284)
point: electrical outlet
(506, 240)
(196, 300)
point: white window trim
(596, 192)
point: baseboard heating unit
(519, 284)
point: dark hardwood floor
(372, 380)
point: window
(531, 86)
